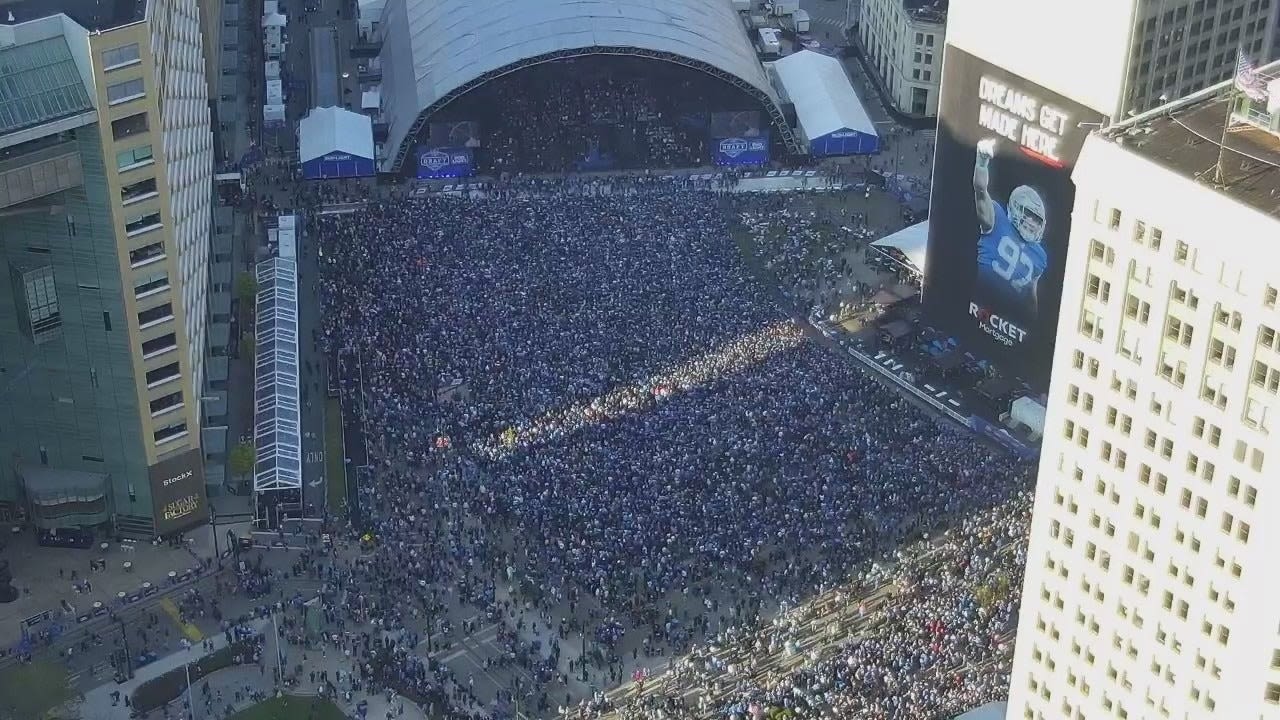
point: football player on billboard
(1011, 254)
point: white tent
(1028, 413)
(912, 241)
(371, 99)
(333, 129)
(272, 114)
(274, 20)
(827, 106)
(275, 92)
(991, 711)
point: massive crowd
(589, 398)
(578, 114)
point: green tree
(242, 459)
(246, 288)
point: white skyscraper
(1152, 584)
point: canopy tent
(1030, 414)
(828, 109)
(333, 142)
(371, 99)
(911, 241)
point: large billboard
(736, 151)
(1000, 212)
(177, 493)
(445, 162)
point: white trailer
(770, 41)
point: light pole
(275, 626)
(191, 700)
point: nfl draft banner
(445, 162)
(738, 151)
(1000, 212)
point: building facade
(103, 310)
(1150, 588)
(1119, 57)
(903, 40)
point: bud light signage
(735, 151)
(438, 163)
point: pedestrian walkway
(97, 702)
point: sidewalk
(97, 702)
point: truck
(800, 19)
(770, 42)
(785, 7)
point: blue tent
(335, 143)
(828, 109)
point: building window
(157, 314)
(129, 126)
(146, 254)
(123, 56)
(138, 224)
(138, 191)
(157, 346)
(169, 433)
(123, 92)
(163, 374)
(167, 402)
(36, 298)
(106, 320)
(150, 284)
(134, 157)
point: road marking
(191, 632)
(453, 655)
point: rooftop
(1184, 136)
(39, 83)
(927, 10)
(90, 14)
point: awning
(912, 241)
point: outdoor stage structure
(436, 51)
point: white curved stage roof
(432, 48)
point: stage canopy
(911, 241)
(335, 143)
(829, 111)
(436, 50)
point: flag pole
(1218, 175)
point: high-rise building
(1151, 588)
(105, 187)
(1023, 82)
(902, 41)
(1122, 55)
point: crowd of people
(594, 114)
(584, 405)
